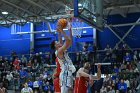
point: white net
(76, 32)
(77, 28)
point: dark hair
(53, 57)
(52, 45)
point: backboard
(88, 12)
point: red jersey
(16, 62)
(56, 75)
(81, 85)
(58, 69)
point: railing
(96, 57)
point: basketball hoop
(77, 27)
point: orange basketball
(62, 22)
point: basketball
(62, 22)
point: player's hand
(59, 28)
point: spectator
(108, 51)
(26, 89)
(111, 90)
(114, 76)
(9, 77)
(36, 86)
(118, 55)
(23, 75)
(47, 59)
(16, 79)
(127, 58)
(49, 79)
(123, 67)
(122, 86)
(6, 63)
(135, 56)
(48, 88)
(24, 60)
(116, 70)
(40, 82)
(128, 84)
(3, 74)
(116, 84)
(30, 83)
(4, 82)
(84, 54)
(124, 50)
(14, 55)
(103, 90)
(35, 65)
(45, 75)
(106, 80)
(1, 64)
(38, 58)
(3, 89)
(31, 57)
(16, 63)
(29, 66)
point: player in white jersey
(26, 89)
(67, 67)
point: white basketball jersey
(26, 90)
(67, 68)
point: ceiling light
(79, 4)
(4, 13)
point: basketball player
(26, 89)
(58, 70)
(67, 67)
(82, 78)
(56, 77)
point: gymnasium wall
(42, 40)
(21, 43)
(107, 37)
(9, 42)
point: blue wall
(107, 37)
(9, 42)
(21, 43)
(42, 40)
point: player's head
(25, 85)
(87, 65)
(55, 45)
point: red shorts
(56, 85)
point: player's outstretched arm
(82, 73)
(59, 37)
(66, 44)
(98, 77)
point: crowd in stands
(14, 72)
(122, 76)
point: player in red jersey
(82, 78)
(57, 88)
(56, 77)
